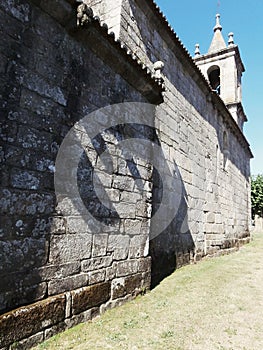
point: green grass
(215, 304)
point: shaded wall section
(192, 123)
(52, 75)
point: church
(124, 158)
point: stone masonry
(197, 132)
(60, 61)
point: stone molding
(32, 324)
(194, 71)
(85, 17)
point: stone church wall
(54, 269)
(199, 135)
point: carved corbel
(84, 14)
(158, 67)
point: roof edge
(198, 75)
(86, 19)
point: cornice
(86, 22)
(196, 73)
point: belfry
(222, 66)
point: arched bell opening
(214, 78)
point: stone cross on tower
(223, 68)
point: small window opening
(225, 150)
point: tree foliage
(257, 195)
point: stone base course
(29, 320)
(29, 325)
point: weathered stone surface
(211, 218)
(146, 283)
(116, 303)
(179, 136)
(76, 225)
(110, 272)
(68, 305)
(144, 264)
(29, 320)
(96, 263)
(16, 279)
(83, 317)
(119, 246)
(139, 246)
(50, 272)
(126, 285)
(29, 342)
(18, 9)
(90, 297)
(128, 267)
(97, 276)
(69, 248)
(42, 101)
(25, 179)
(23, 292)
(126, 211)
(123, 183)
(131, 226)
(22, 203)
(50, 332)
(66, 284)
(60, 10)
(99, 245)
(26, 253)
(51, 77)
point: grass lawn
(215, 304)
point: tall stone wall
(57, 269)
(198, 134)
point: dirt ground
(215, 304)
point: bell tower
(222, 66)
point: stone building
(62, 61)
